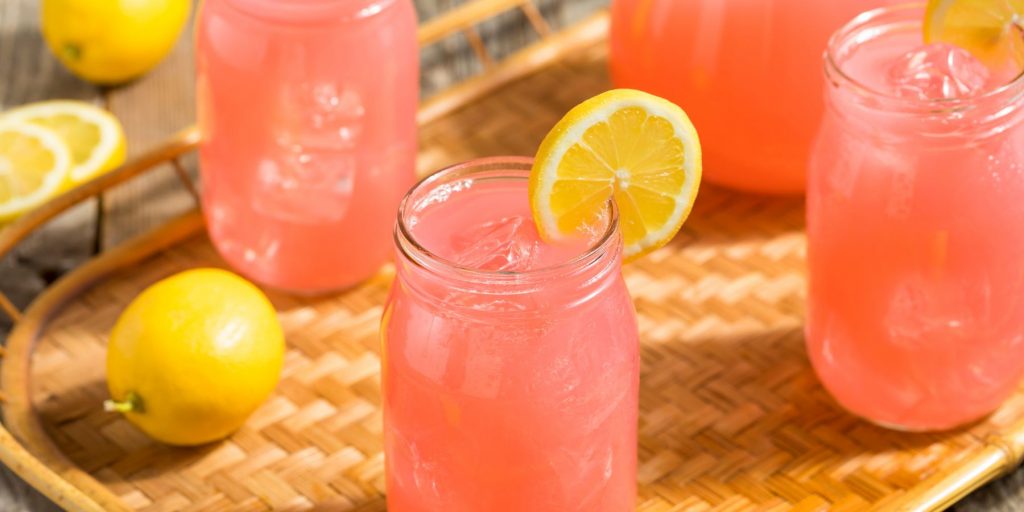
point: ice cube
(938, 71)
(308, 174)
(322, 116)
(304, 186)
(507, 244)
(924, 312)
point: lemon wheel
(93, 135)
(992, 30)
(628, 146)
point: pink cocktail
(748, 71)
(307, 110)
(916, 227)
(510, 365)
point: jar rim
(305, 11)
(501, 167)
(873, 19)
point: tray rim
(27, 450)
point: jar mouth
(309, 11)
(866, 26)
(493, 168)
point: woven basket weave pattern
(732, 417)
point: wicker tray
(732, 417)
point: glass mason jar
(308, 116)
(748, 72)
(915, 229)
(505, 390)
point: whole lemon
(193, 356)
(112, 41)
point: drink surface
(308, 117)
(898, 64)
(489, 226)
(748, 72)
(517, 390)
(916, 233)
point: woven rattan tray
(731, 418)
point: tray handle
(168, 152)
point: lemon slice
(93, 135)
(992, 30)
(630, 146)
(34, 164)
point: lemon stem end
(72, 52)
(129, 404)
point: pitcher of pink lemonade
(307, 110)
(748, 71)
(915, 227)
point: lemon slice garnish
(93, 135)
(34, 164)
(992, 30)
(635, 148)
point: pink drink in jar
(510, 365)
(916, 227)
(748, 71)
(307, 110)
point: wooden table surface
(161, 103)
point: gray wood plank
(17, 496)
(1003, 495)
(29, 73)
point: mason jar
(307, 110)
(915, 228)
(510, 382)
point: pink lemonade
(916, 228)
(510, 365)
(307, 110)
(748, 71)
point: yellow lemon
(112, 41)
(992, 30)
(93, 135)
(193, 356)
(34, 166)
(628, 146)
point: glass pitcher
(748, 72)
